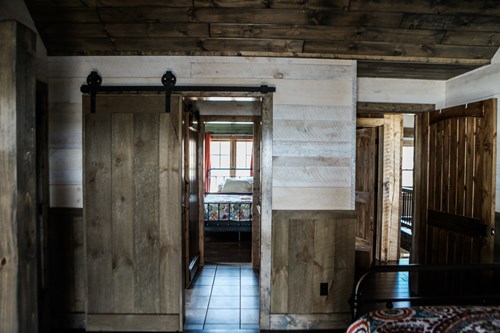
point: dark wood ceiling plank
(256, 45)
(310, 4)
(42, 15)
(451, 22)
(57, 30)
(61, 3)
(283, 4)
(145, 3)
(395, 70)
(144, 30)
(389, 38)
(409, 50)
(111, 3)
(230, 3)
(80, 46)
(169, 45)
(158, 29)
(144, 14)
(160, 45)
(328, 33)
(472, 38)
(297, 17)
(491, 7)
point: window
(407, 167)
(230, 153)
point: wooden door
(132, 211)
(366, 181)
(385, 158)
(191, 202)
(455, 184)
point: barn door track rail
(168, 80)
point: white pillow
(235, 185)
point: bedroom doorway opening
(228, 194)
(224, 292)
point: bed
(228, 203)
(473, 309)
(430, 319)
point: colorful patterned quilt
(430, 319)
(228, 207)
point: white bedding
(227, 198)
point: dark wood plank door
(455, 184)
(132, 211)
(366, 179)
(191, 201)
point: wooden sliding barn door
(132, 210)
(456, 152)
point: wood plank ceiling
(426, 39)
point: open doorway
(378, 188)
(407, 188)
(228, 188)
(224, 293)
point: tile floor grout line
(209, 298)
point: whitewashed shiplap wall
(313, 123)
(385, 90)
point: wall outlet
(323, 289)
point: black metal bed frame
(229, 224)
(358, 299)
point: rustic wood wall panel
(310, 248)
(133, 246)
(305, 138)
(328, 100)
(316, 90)
(18, 239)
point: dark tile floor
(223, 297)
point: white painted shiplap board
(150, 66)
(312, 112)
(313, 108)
(401, 91)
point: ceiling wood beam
(367, 107)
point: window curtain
(208, 165)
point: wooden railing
(406, 229)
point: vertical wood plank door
(456, 151)
(132, 212)
(366, 178)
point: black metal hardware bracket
(94, 86)
(168, 80)
(94, 80)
